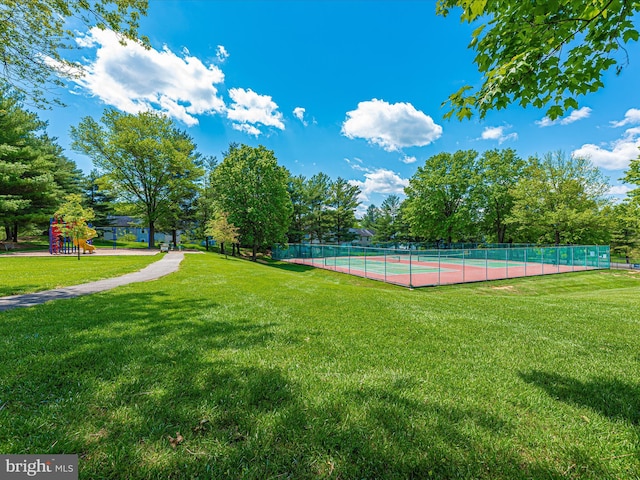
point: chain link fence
(430, 267)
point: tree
(385, 226)
(204, 208)
(560, 199)
(343, 201)
(439, 202)
(34, 174)
(34, 33)
(251, 186)
(541, 53)
(98, 199)
(318, 221)
(632, 176)
(625, 234)
(370, 217)
(297, 188)
(499, 172)
(222, 231)
(144, 160)
(75, 218)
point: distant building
(363, 236)
(121, 225)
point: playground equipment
(61, 244)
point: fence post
(486, 264)
(506, 257)
(463, 268)
(542, 260)
(385, 265)
(410, 270)
(438, 266)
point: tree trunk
(222, 249)
(152, 234)
(174, 237)
(14, 237)
(254, 255)
(557, 237)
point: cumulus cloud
(584, 112)
(251, 109)
(631, 117)
(615, 155)
(221, 53)
(134, 79)
(381, 181)
(408, 160)
(497, 133)
(391, 126)
(298, 112)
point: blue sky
(351, 89)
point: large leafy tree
(34, 174)
(561, 199)
(542, 53)
(499, 172)
(343, 201)
(439, 203)
(35, 33)
(251, 188)
(144, 160)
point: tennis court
(421, 268)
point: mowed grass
(32, 274)
(282, 371)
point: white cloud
(408, 160)
(298, 112)
(497, 133)
(574, 116)
(134, 79)
(221, 53)
(246, 128)
(391, 126)
(632, 116)
(584, 112)
(250, 109)
(616, 155)
(619, 190)
(381, 181)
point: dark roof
(122, 221)
(363, 232)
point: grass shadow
(610, 397)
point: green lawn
(282, 371)
(33, 274)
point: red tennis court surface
(413, 273)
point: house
(120, 226)
(363, 236)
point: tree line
(147, 168)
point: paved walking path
(168, 264)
